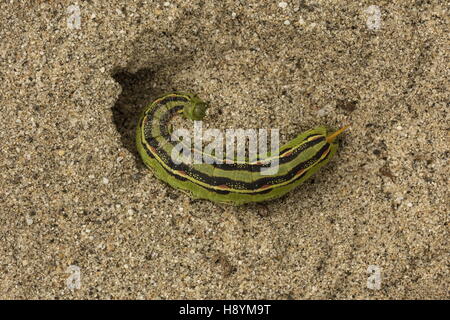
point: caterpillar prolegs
(235, 183)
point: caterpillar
(235, 183)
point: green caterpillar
(237, 183)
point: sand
(82, 218)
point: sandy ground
(75, 198)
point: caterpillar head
(195, 109)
